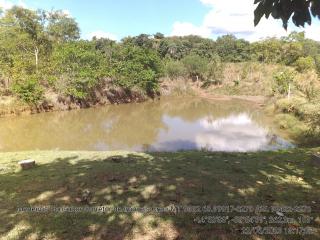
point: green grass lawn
(118, 179)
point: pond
(169, 124)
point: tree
(175, 69)
(143, 40)
(24, 52)
(290, 52)
(23, 29)
(107, 47)
(309, 47)
(300, 10)
(61, 27)
(172, 47)
(195, 65)
(27, 38)
(267, 51)
(77, 68)
(304, 64)
(137, 67)
(295, 37)
(200, 46)
(159, 35)
(231, 49)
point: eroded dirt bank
(10, 105)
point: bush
(283, 81)
(317, 63)
(304, 64)
(29, 91)
(314, 121)
(292, 105)
(299, 107)
(231, 49)
(291, 52)
(309, 84)
(78, 67)
(174, 69)
(138, 67)
(196, 66)
(214, 74)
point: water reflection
(166, 125)
(233, 133)
(237, 133)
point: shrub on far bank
(317, 63)
(314, 121)
(291, 105)
(78, 68)
(309, 84)
(196, 66)
(214, 71)
(174, 69)
(302, 109)
(304, 64)
(137, 67)
(283, 82)
(301, 118)
(29, 91)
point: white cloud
(185, 28)
(313, 31)
(236, 17)
(66, 12)
(102, 34)
(21, 3)
(236, 133)
(5, 4)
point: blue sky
(126, 17)
(208, 18)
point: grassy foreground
(118, 179)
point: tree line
(42, 50)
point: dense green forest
(41, 53)
(42, 50)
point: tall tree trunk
(36, 53)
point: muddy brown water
(169, 124)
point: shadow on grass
(153, 180)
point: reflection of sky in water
(233, 133)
